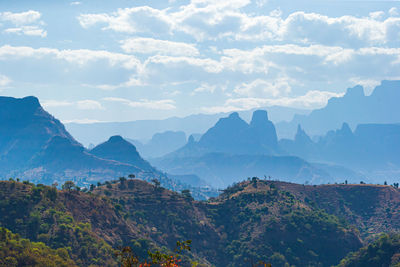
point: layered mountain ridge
(354, 108)
(36, 146)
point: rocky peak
(262, 130)
(355, 92)
(301, 135)
(191, 139)
(117, 148)
(116, 139)
(345, 130)
(259, 117)
(18, 108)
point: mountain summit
(233, 135)
(26, 129)
(382, 106)
(117, 148)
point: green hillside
(256, 220)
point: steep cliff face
(25, 129)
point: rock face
(25, 129)
(118, 149)
(382, 106)
(233, 150)
(226, 135)
(233, 135)
(262, 131)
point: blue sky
(129, 60)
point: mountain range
(233, 148)
(36, 146)
(371, 149)
(144, 130)
(354, 108)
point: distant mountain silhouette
(143, 130)
(372, 148)
(25, 129)
(233, 148)
(382, 106)
(232, 135)
(61, 159)
(118, 149)
(35, 145)
(160, 144)
(221, 170)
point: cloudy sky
(124, 60)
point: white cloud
(368, 84)
(82, 121)
(262, 59)
(312, 99)
(213, 20)
(81, 104)
(209, 65)
(154, 46)
(205, 88)
(56, 103)
(393, 12)
(89, 105)
(4, 81)
(22, 18)
(27, 30)
(27, 23)
(79, 56)
(132, 82)
(263, 88)
(130, 20)
(76, 3)
(164, 104)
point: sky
(120, 60)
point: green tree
(68, 186)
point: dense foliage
(16, 251)
(253, 222)
(384, 252)
(38, 213)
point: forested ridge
(253, 221)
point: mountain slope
(26, 129)
(60, 160)
(232, 135)
(354, 108)
(251, 221)
(384, 252)
(118, 149)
